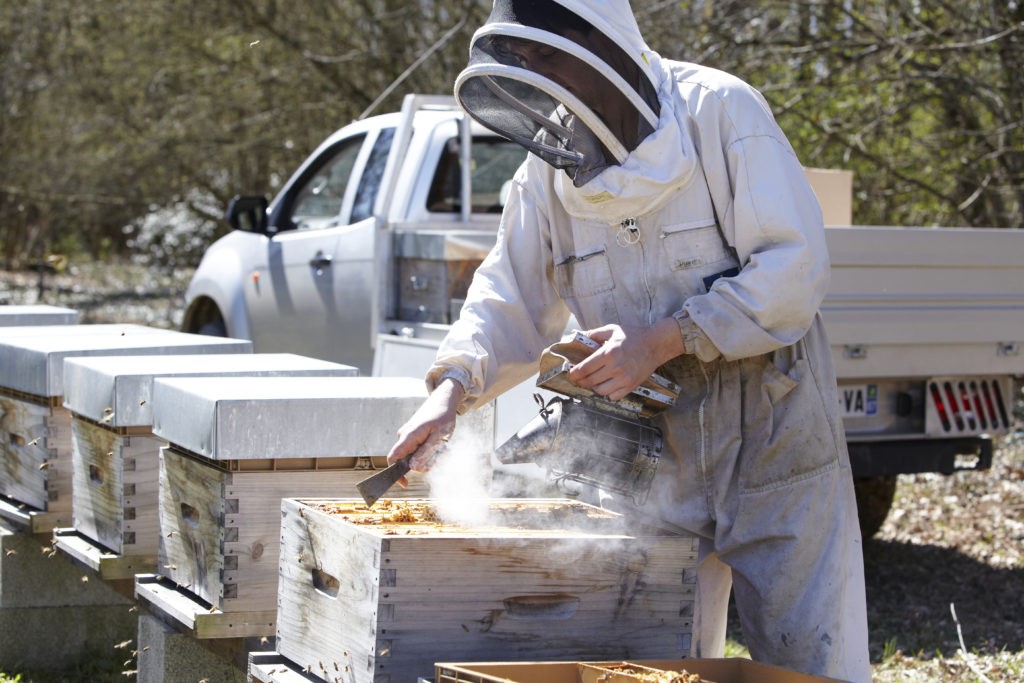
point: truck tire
(213, 328)
(204, 317)
(874, 500)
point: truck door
(314, 293)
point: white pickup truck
(365, 255)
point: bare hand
(627, 358)
(430, 427)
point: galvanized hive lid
(251, 418)
(117, 390)
(32, 358)
(13, 315)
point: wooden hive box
(381, 595)
(115, 455)
(35, 446)
(237, 446)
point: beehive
(36, 314)
(237, 446)
(381, 595)
(35, 446)
(115, 455)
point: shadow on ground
(909, 591)
(910, 588)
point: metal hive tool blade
(376, 485)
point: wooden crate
(369, 599)
(35, 462)
(219, 525)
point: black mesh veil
(539, 74)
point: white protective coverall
(707, 218)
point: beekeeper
(662, 206)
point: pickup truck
(365, 255)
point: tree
(923, 101)
(113, 111)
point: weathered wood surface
(385, 607)
(165, 598)
(219, 531)
(191, 524)
(115, 488)
(110, 566)
(35, 457)
(271, 667)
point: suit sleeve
(512, 311)
(770, 215)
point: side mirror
(248, 214)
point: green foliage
(112, 111)
(923, 101)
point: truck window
(318, 200)
(369, 184)
(495, 161)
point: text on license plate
(858, 400)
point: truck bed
(919, 302)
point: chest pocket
(584, 276)
(697, 252)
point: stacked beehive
(116, 455)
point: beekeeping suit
(659, 189)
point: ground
(948, 563)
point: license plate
(858, 400)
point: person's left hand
(627, 358)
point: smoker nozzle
(535, 439)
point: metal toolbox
(237, 446)
(382, 594)
(35, 426)
(434, 272)
(115, 455)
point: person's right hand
(428, 429)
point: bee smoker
(586, 438)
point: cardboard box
(834, 190)
(711, 670)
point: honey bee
(123, 644)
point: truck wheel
(874, 499)
(213, 328)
